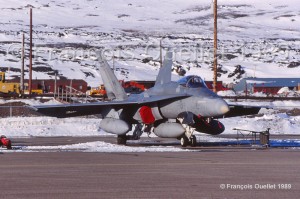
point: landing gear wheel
(193, 141)
(121, 140)
(184, 141)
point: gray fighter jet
(169, 109)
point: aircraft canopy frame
(192, 81)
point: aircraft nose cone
(221, 107)
(212, 107)
(224, 108)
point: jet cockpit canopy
(192, 81)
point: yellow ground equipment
(10, 87)
(14, 87)
(99, 91)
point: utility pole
(215, 45)
(113, 63)
(22, 67)
(30, 56)
(160, 48)
(55, 85)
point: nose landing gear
(186, 120)
(185, 141)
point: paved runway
(212, 173)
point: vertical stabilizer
(113, 87)
(164, 75)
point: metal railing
(71, 95)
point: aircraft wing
(80, 109)
(241, 110)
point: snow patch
(101, 146)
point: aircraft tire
(184, 141)
(121, 140)
(193, 141)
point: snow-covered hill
(260, 36)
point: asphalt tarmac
(212, 173)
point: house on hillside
(267, 85)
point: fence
(17, 111)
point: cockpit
(192, 81)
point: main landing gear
(121, 139)
(138, 131)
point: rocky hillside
(256, 38)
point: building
(220, 87)
(48, 85)
(266, 85)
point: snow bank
(226, 93)
(49, 126)
(101, 146)
(280, 123)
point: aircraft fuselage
(201, 101)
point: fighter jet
(169, 109)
